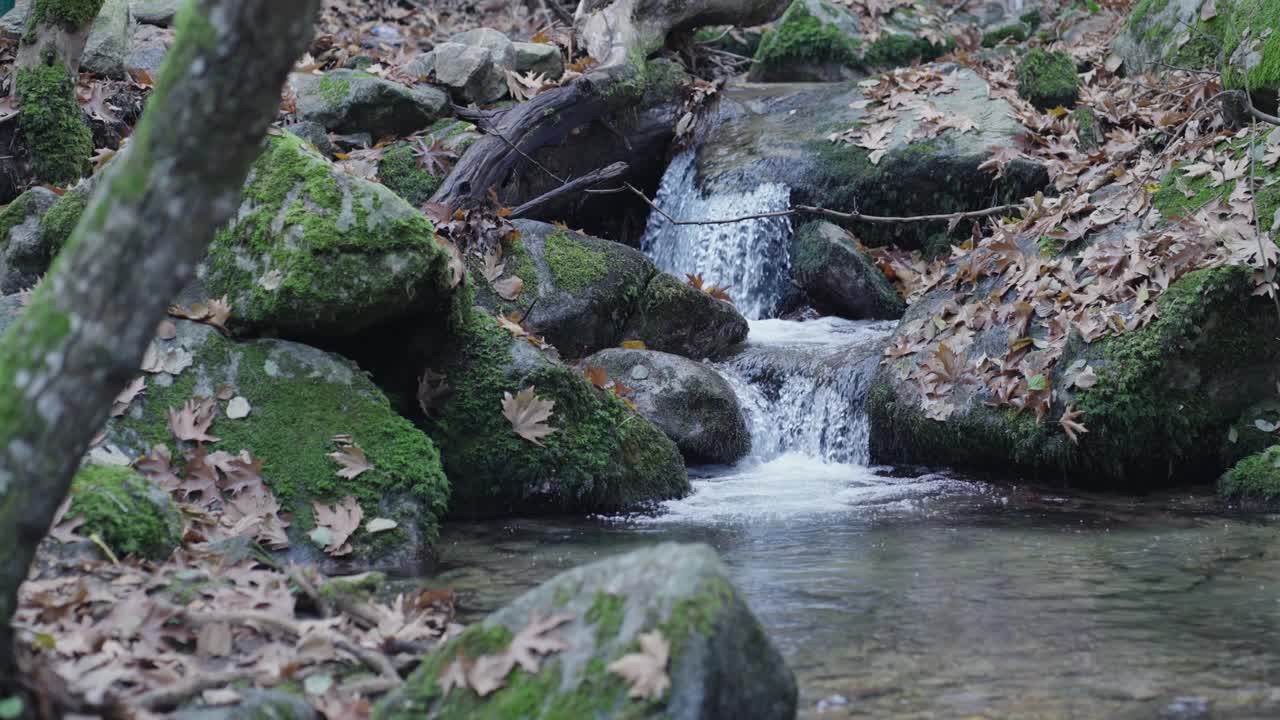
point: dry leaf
(122, 402)
(528, 414)
(509, 288)
(193, 421)
(646, 670)
(378, 525)
(341, 521)
(353, 462)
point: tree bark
(137, 245)
(48, 67)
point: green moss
(13, 215)
(71, 14)
(898, 49)
(602, 456)
(293, 419)
(799, 36)
(1173, 202)
(52, 125)
(1018, 32)
(335, 230)
(644, 79)
(1144, 11)
(1048, 79)
(696, 615)
(57, 225)
(1254, 15)
(399, 170)
(130, 515)
(361, 586)
(574, 266)
(606, 613)
(333, 90)
(1253, 479)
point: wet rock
(155, 12)
(299, 399)
(27, 249)
(600, 457)
(1254, 482)
(687, 400)
(316, 251)
(539, 59)
(780, 132)
(840, 278)
(722, 665)
(109, 40)
(820, 41)
(588, 294)
(351, 101)
(147, 51)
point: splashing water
(749, 257)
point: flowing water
(923, 594)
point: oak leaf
(193, 420)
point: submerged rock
(588, 294)
(780, 134)
(687, 400)
(600, 456)
(26, 250)
(840, 278)
(299, 399)
(130, 515)
(316, 251)
(352, 101)
(721, 664)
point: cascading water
(802, 384)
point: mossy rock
(315, 251)
(1048, 79)
(588, 294)
(722, 664)
(601, 457)
(819, 41)
(400, 170)
(780, 133)
(1254, 482)
(1253, 62)
(1017, 32)
(1152, 36)
(53, 128)
(1165, 398)
(300, 398)
(687, 400)
(129, 514)
(25, 253)
(1180, 196)
(840, 278)
(353, 101)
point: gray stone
(722, 664)
(11, 307)
(839, 278)
(589, 294)
(539, 59)
(500, 47)
(109, 40)
(27, 251)
(469, 71)
(148, 49)
(687, 400)
(314, 133)
(351, 101)
(1152, 38)
(155, 12)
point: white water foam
(749, 257)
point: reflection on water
(938, 598)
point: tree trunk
(48, 68)
(137, 245)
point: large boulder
(588, 294)
(352, 101)
(316, 251)
(26, 250)
(155, 12)
(299, 400)
(599, 457)
(822, 41)
(148, 49)
(839, 277)
(781, 134)
(720, 663)
(539, 59)
(687, 400)
(127, 512)
(473, 65)
(109, 40)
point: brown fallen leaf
(340, 521)
(528, 414)
(193, 420)
(646, 670)
(126, 397)
(509, 288)
(353, 462)
(1071, 425)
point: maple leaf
(528, 414)
(340, 521)
(1071, 425)
(353, 462)
(533, 641)
(646, 670)
(193, 420)
(219, 313)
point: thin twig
(174, 695)
(299, 578)
(1253, 205)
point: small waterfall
(803, 385)
(750, 257)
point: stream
(918, 594)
